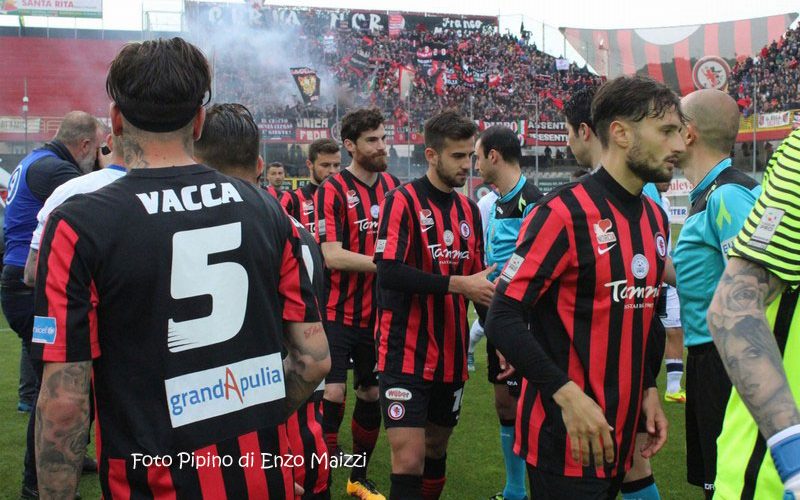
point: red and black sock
(366, 426)
(332, 415)
(433, 478)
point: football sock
(433, 478)
(405, 487)
(475, 335)
(366, 426)
(515, 466)
(641, 489)
(674, 374)
(332, 415)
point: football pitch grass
(474, 461)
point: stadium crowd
(775, 72)
(488, 76)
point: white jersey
(84, 184)
(485, 205)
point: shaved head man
(721, 201)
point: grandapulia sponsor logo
(217, 391)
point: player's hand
(506, 370)
(476, 287)
(588, 430)
(656, 423)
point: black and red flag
(307, 83)
(683, 57)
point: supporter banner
(312, 134)
(201, 15)
(518, 126)
(312, 122)
(683, 57)
(679, 186)
(562, 64)
(678, 215)
(546, 184)
(273, 129)
(547, 134)
(769, 126)
(16, 125)
(774, 120)
(53, 8)
(307, 82)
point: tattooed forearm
(307, 363)
(62, 428)
(738, 324)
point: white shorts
(673, 319)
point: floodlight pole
(25, 114)
(536, 138)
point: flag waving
(307, 82)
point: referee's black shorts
(708, 389)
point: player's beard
(451, 180)
(646, 166)
(317, 180)
(374, 163)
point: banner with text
(53, 8)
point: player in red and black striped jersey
(323, 161)
(274, 174)
(348, 207)
(587, 273)
(429, 255)
(229, 143)
(174, 314)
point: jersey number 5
(193, 276)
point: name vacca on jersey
(189, 198)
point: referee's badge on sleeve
(44, 330)
(766, 229)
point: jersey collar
(116, 167)
(513, 192)
(709, 178)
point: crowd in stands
(775, 71)
(489, 76)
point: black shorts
(409, 401)
(514, 382)
(708, 389)
(358, 344)
(549, 486)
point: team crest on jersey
(448, 237)
(396, 411)
(464, 229)
(352, 199)
(375, 211)
(308, 207)
(661, 245)
(640, 266)
(425, 220)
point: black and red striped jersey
(426, 335)
(176, 283)
(347, 212)
(588, 264)
(300, 205)
(273, 191)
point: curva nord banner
(205, 15)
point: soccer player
(587, 274)
(176, 316)
(275, 175)
(721, 201)
(348, 208)
(324, 160)
(671, 319)
(430, 265)
(476, 333)
(499, 153)
(229, 143)
(639, 483)
(755, 327)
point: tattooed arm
(737, 321)
(307, 363)
(62, 428)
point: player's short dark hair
(631, 98)
(359, 121)
(504, 141)
(275, 164)
(230, 138)
(326, 146)
(448, 125)
(159, 85)
(578, 108)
